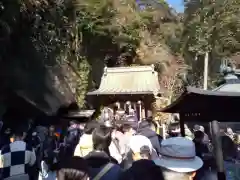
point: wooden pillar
(218, 149)
(127, 107)
(135, 106)
(148, 105)
(146, 112)
(182, 125)
(145, 107)
(139, 110)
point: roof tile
(128, 80)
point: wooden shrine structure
(137, 85)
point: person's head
(81, 126)
(198, 128)
(7, 131)
(198, 136)
(229, 130)
(73, 122)
(144, 170)
(230, 133)
(18, 135)
(128, 129)
(153, 126)
(172, 175)
(74, 168)
(144, 124)
(129, 125)
(141, 147)
(109, 124)
(90, 127)
(30, 123)
(174, 129)
(202, 129)
(178, 157)
(101, 138)
(51, 130)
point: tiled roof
(231, 86)
(128, 80)
(81, 114)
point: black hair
(198, 135)
(75, 168)
(125, 128)
(229, 148)
(144, 124)
(173, 126)
(148, 123)
(90, 127)
(18, 132)
(73, 122)
(143, 170)
(102, 138)
(153, 123)
(145, 152)
(71, 174)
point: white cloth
(138, 141)
(115, 152)
(84, 146)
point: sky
(177, 4)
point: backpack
(103, 171)
(116, 143)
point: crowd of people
(103, 150)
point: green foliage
(80, 33)
(100, 25)
(211, 26)
(164, 26)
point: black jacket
(4, 140)
(98, 160)
(73, 136)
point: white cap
(138, 141)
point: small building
(231, 82)
(137, 84)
